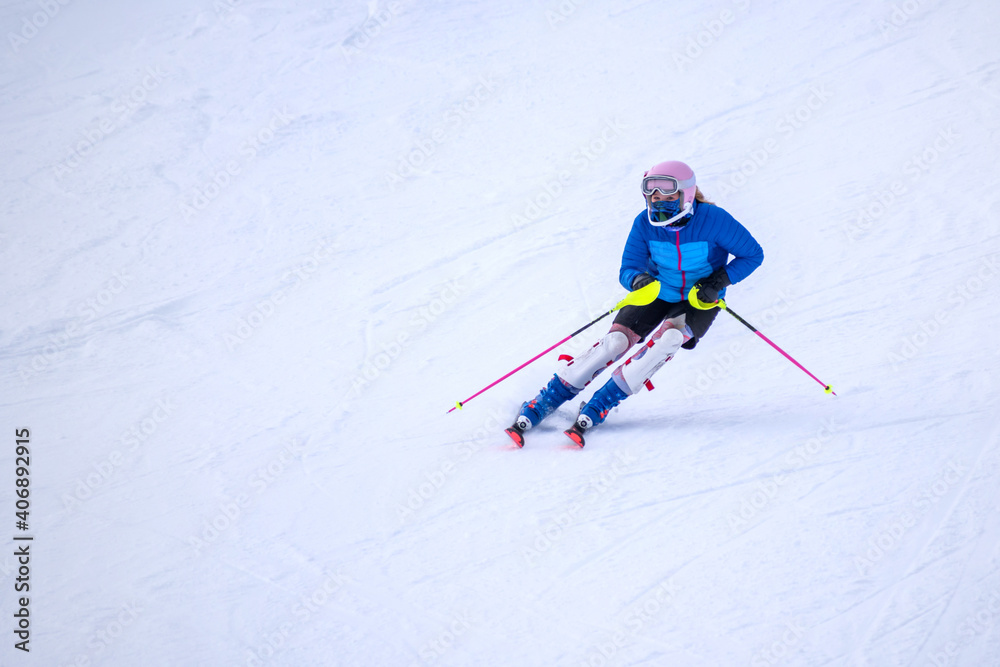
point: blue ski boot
(552, 395)
(596, 410)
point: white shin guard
(635, 372)
(579, 372)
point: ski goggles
(666, 185)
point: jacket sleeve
(635, 257)
(747, 253)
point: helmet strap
(687, 210)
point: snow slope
(253, 252)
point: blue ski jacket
(681, 256)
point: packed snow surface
(253, 251)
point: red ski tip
(518, 438)
(575, 436)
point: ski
(575, 434)
(516, 434)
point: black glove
(707, 289)
(641, 280)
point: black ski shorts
(644, 319)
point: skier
(682, 240)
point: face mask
(668, 213)
(661, 211)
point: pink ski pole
(640, 297)
(827, 388)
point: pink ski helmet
(668, 178)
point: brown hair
(701, 198)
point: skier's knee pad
(579, 372)
(631, 375)
(633, 337)
(679, 323)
